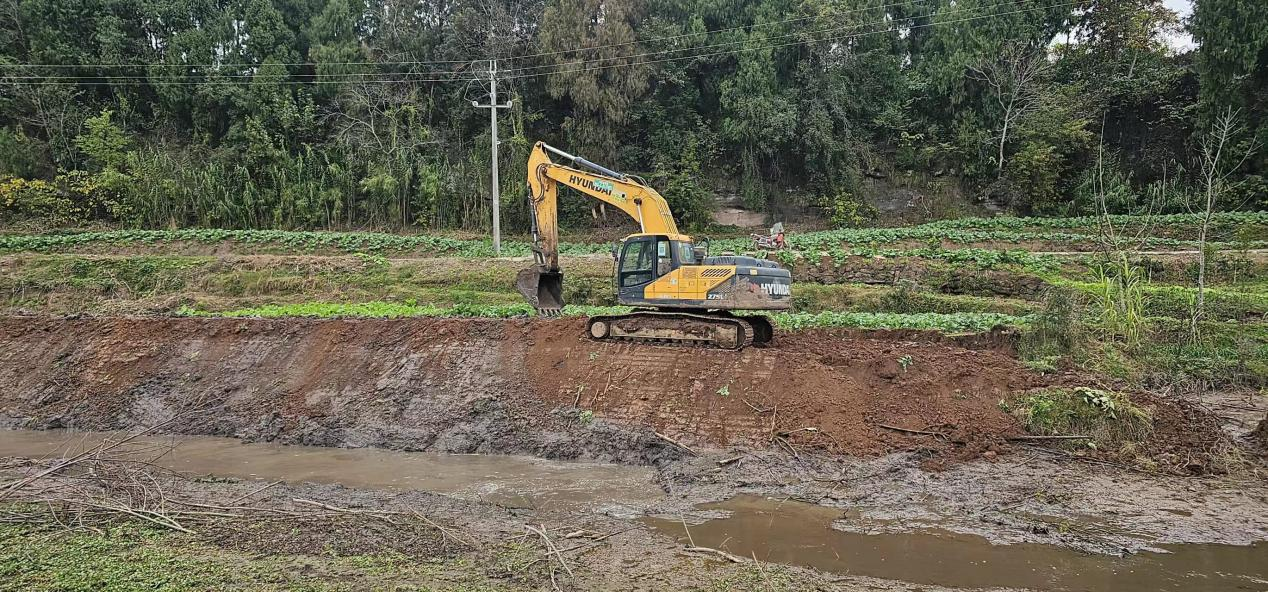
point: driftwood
(717, 553)
(684, 447)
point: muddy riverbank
(837, 523)
(535, 387)
(882, 433)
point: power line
(232, 65)
(764, 47)
(255, 76)
(586, 64)
(726, 43)
(433, 62)
(709, 32)
(92, 82)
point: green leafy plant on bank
(1120, 299)
(1109, 419)
(954, 322)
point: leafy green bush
(1109, 419)
(1055, 331)
(945, 322)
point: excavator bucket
(543, 289)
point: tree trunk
(1003, 137)
(1199, 302)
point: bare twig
(94, 452)
(716, 552)
(254, 491)
(675, 443)
(755, 408)
(378, 513)
(550, 547)
(686, 530)
(1055, 437)
(445, 532)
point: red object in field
(772, 241)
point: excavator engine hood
(543, 289)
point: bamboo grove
(337, 114)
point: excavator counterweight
(679, 295)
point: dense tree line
(358, 113)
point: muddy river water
(801, 534)
(512, 481)
(770, 530)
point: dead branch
(755, 408)
(96, 451)
(687, 530)
(1056, 437)
(684, 447)
(254, 491)
(446, 532)
(550, 547)
(377, 513)
(717, 553)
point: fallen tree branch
(716, 552)
(78, 458)
(1028, 438)
(551, 548)
(445, 532)
(253, 492)
(376, 513)
(684, 447)
(755, 408)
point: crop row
(1220, 219)
(949, 322)
(962, 231)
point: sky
(1181, 41)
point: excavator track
(721, 330)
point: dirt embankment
(533, 387)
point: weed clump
(1110, 420)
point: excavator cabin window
(645, 259)
(636, 262)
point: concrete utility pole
(493, 107)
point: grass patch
(128, 557)
(768, 577)
(1110, 419)
(903, 298)
(958, 323)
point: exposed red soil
(514, 386)
(828, 389)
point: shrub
(1109, 419)
(34, 199)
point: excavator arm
(542, 285)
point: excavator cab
(646, 258)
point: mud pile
(532, 387)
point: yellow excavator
(680, 294)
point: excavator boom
(542, 285)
